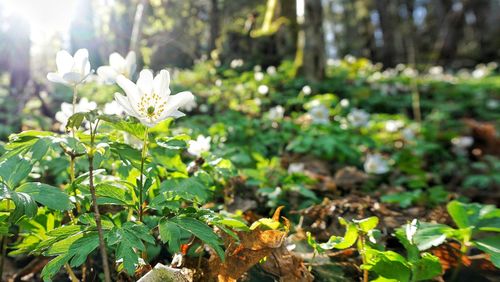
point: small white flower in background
(306, 90)
(239, 87)
(409, 133)
(344, 103)
(376, 164)
(411, 229)
(276, 113)
(236, 63)
(492, 104)
(118, 65)
(190, 105)
(257, 68)
(199, 146)
(149, 100)
(218, 83)
(462, 142)
(263, 89)
(436, 70)
(358, 118)
(320, 114)
(204, 108)
(393, 125)
(113, 108)
(271, 70)
(84, 105)
(410, 72)
(296, 168)
(258, 76)
(71, 70)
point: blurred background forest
(420, 33)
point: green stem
(141, 177)
(97, 214)
(362, 251)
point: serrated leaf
(426, 268)
(49, 196)
(202, 231)
(170, 233)
(14, 169)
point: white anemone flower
(411, 229)
(263, 89)
(462, 142)
(71, 70)
(199, 146)
(296, 168)
(344, 103)
(149, 100)
(190, 106)
(306, 90)
(393, 125)
(118, 65)
(276, 113)
(376, 164)
(358, 118)
(320, 114)
(84, 105)
(259, 76)
(113, 108)
(271, 70)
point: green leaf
(388, 264)
(130, 126)
(426, 268)
(75, 248)
(173, 143)
(234, 223)
(367, 224)
(459, 214)
(112, 192)
(430, 235)
(202, 231)
(491, 246)
(13, 170)
(170, 233)
(53, 267)
(350, 237)
(47, 195)
(75, 121)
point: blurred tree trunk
(214, 15)
(18, 54)
(136, 36)
(288, 34)
(83, 33)
(387, 25)
(313, 55)
(121, 25)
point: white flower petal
(130, 89)
(131, 63)
(174, 102)
(81, 61)
(55, 77)
(64, 61)
(73, 77)
(161, 84)
(107, 74)
(145, 81)
(125, 104)
(116, 61)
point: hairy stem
(362, 251)
(141, 177)
(97, 215)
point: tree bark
(214, 26)
(314, 61)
